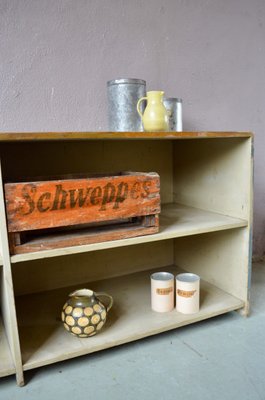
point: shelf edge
(117, 243)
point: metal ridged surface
(123, 95)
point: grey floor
(221, 358)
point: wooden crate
(70, 211)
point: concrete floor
(221, 358)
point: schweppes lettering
(60, 198)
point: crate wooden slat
(146, 226)
(64, 202)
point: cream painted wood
(131, 318)
(221, 258)
(176, 220)
(7, 294)
(7, 366)
(214, 175)
(47, 274)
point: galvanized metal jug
(174, 108)
(123, 95)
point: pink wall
(56, 57)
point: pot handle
(110, 298)
(138, 106)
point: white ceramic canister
(187, 293)
(162, 291)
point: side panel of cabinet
(7, 294)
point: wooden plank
(176, 220)
(6, 363)
(44, 136)
(64, 202)
(131, 318)
(86, 236)
(7, 293)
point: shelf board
(6, 363)
(175, 221)
(44, 339)
(51, 136)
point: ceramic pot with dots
(84, 314)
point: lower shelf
(44, 339)
(6, 363)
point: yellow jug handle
(138, 106)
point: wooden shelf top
(52, 136)
(176, 220)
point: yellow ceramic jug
(155, 116)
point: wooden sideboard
(205, 228)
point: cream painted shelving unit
(205, 228)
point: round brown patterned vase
(83, 314)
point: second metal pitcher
(174, 108)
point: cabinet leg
(245, 311)
(20, 378)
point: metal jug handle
(138, 106)
(108, 296)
